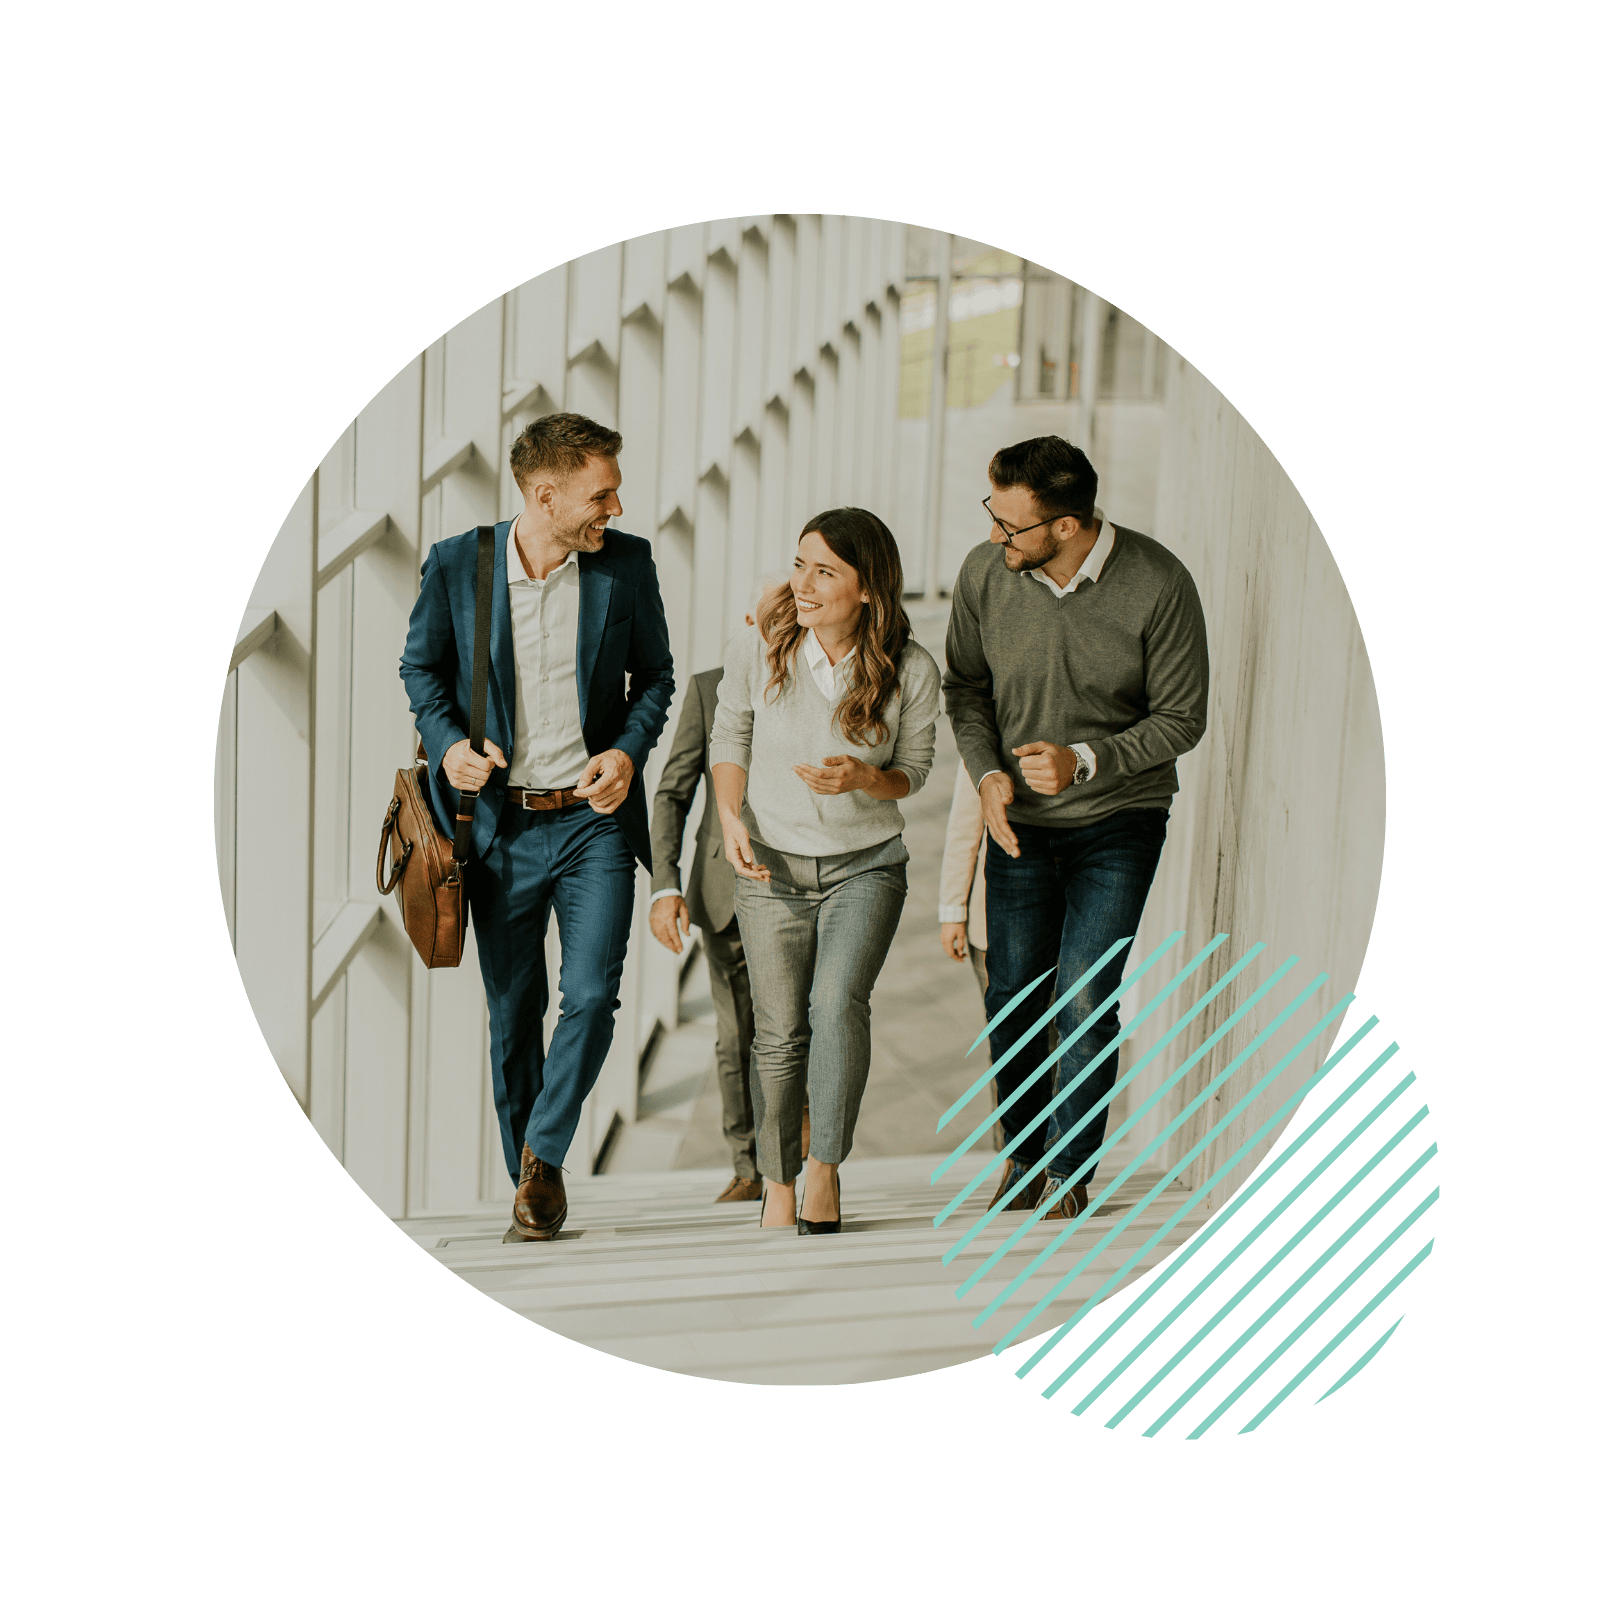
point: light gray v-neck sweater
(768, 737)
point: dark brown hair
(1057, 473)
(560, 443)
(860, 540)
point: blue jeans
(576, 863)
(1071, 893)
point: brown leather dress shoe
(1029, 1197)
(541, 1204)
(741, 1189)
(1070, 1203)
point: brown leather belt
(542, 799)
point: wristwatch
(1081, 773)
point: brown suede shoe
(1070, 1203)
(1029, 1197)
(541, 1204)
(741, 1189)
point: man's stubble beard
(1032, 564)
(578, 537)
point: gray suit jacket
(709, 896)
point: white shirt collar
(1093, 563)
(517, 573)
(829, 674)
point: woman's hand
(953, 936)
(736, 847)
(839, 775)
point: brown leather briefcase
(426, 864)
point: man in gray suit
(708, 904)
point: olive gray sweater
(1119, 664)
(767, 738)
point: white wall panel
(376, 1036)
(718, 338)
(748, 397)
(831, 280)
(686, 256)
(680, 401)
(823, 490)
(537, 319)
(272, 874)
(472, 368)
(1277, 833)
(847, 428)
(807, 334)
(644, 277)
(781, 313)
(744, 511)
(593, 325)
(771, 553)
(800, 503)
(710, 575)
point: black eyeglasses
(1015, 532)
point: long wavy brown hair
(860, 540)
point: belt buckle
(531, 796)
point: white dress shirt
(549, 752)
(831, 677)
(1093, 564)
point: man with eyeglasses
(1077, 675)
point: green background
(229, 1375)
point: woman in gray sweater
(825, 718)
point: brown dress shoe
(741, 1189)
(541, 1204)
(1070, 1203)
(1029, 1197)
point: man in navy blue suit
(580, 679)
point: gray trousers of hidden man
(736, 1026)
(815, 940)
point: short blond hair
(560, 444)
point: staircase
(651, 1270)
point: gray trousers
(736, 1026)
(815, 940)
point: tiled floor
(651, 1270)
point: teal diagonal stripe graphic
(1239, 1309)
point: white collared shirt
(548, 750)
(1093, 565)
(830, 676)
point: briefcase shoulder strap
(461, 845)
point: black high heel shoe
(802, 1226)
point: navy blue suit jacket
(624, 669)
